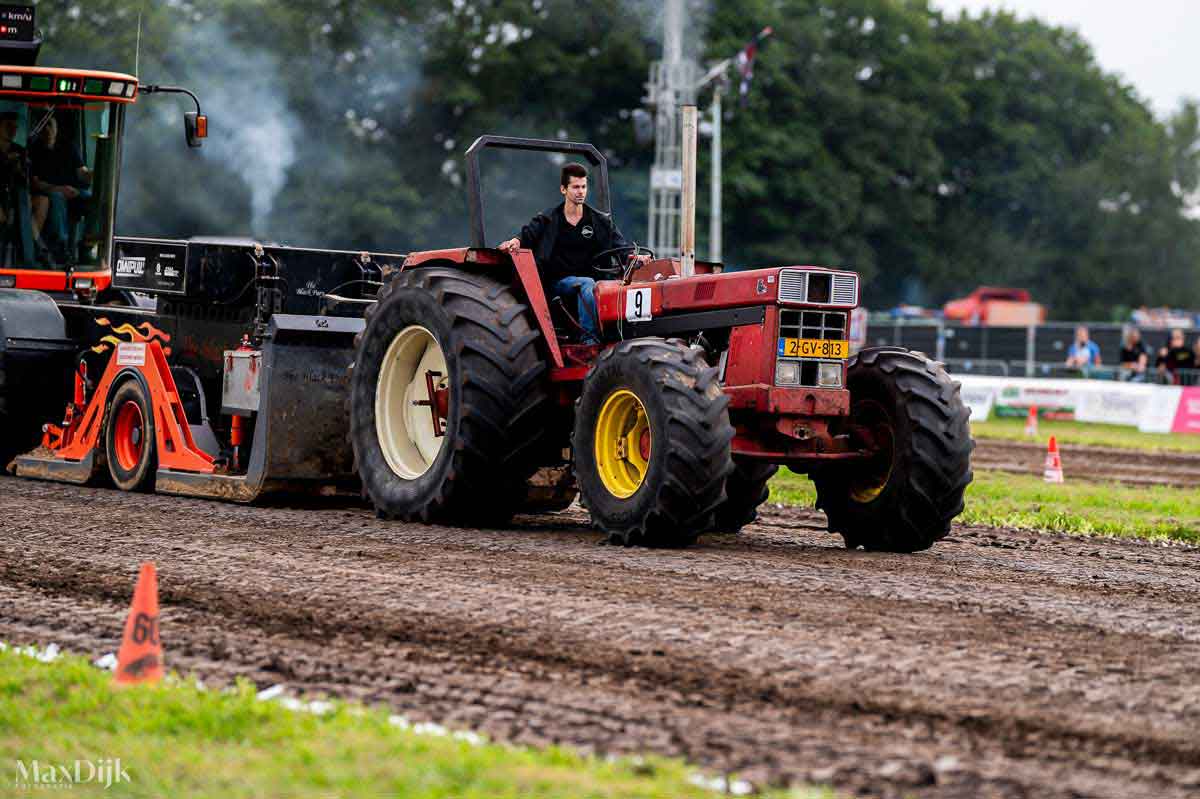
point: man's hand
(70, 192)
(510, 246)
(641, 259)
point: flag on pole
(744, 61)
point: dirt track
(1102, 464)
(998, 664)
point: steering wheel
(632, 249)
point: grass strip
(997, 499)
(180, 741)
(1096, 435)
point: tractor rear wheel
(905, 497)
(447, 398)
(745, 490)
(652, 443)
(129, 440)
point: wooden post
(687, 216)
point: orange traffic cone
(1031, 422)
(1054, 472)
(140, 658)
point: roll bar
(601, 199)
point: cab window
(57, 165)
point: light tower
(672, 85)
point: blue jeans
(586, 289)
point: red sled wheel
(129, 438)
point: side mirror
(195, 125)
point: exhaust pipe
(687, 215)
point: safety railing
(997, 368)
(977, 366)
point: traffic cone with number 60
(140, 658)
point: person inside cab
(61, 188)
(565, 240)
(14, 183)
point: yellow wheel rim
(877, 472)
(623, 442)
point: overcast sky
(1152, 44)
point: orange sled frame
(300, 442)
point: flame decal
(153, 332)
(148, 332)
(127, 330)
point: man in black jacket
(565, 240)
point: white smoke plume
(251, 128)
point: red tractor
(466, 382)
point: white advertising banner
(1150, 408)
(1159, 413)
(1055, 399)
(1107, 402)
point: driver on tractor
(565, 240)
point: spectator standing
(1134, 357)
(1084, 352)
(1175, 356)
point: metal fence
(1034, 351)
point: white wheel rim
(406, 433)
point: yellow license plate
(813, 348)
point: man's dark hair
(573, 171)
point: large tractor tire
(473, 338)
(745, 489)
(905, 497)
(652, 443)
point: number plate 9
(637, 305)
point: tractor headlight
(787, 373)
(8, 281)
(84, 284)
(829, 375)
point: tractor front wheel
(652, 443)
(908, 411)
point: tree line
(931, 153)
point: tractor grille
(793, 286)
(794, 323)
(818, 288)
(845, 290)
(820, 325)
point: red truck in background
(991, 305)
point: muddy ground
(1000, 663)
(1099, 464)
